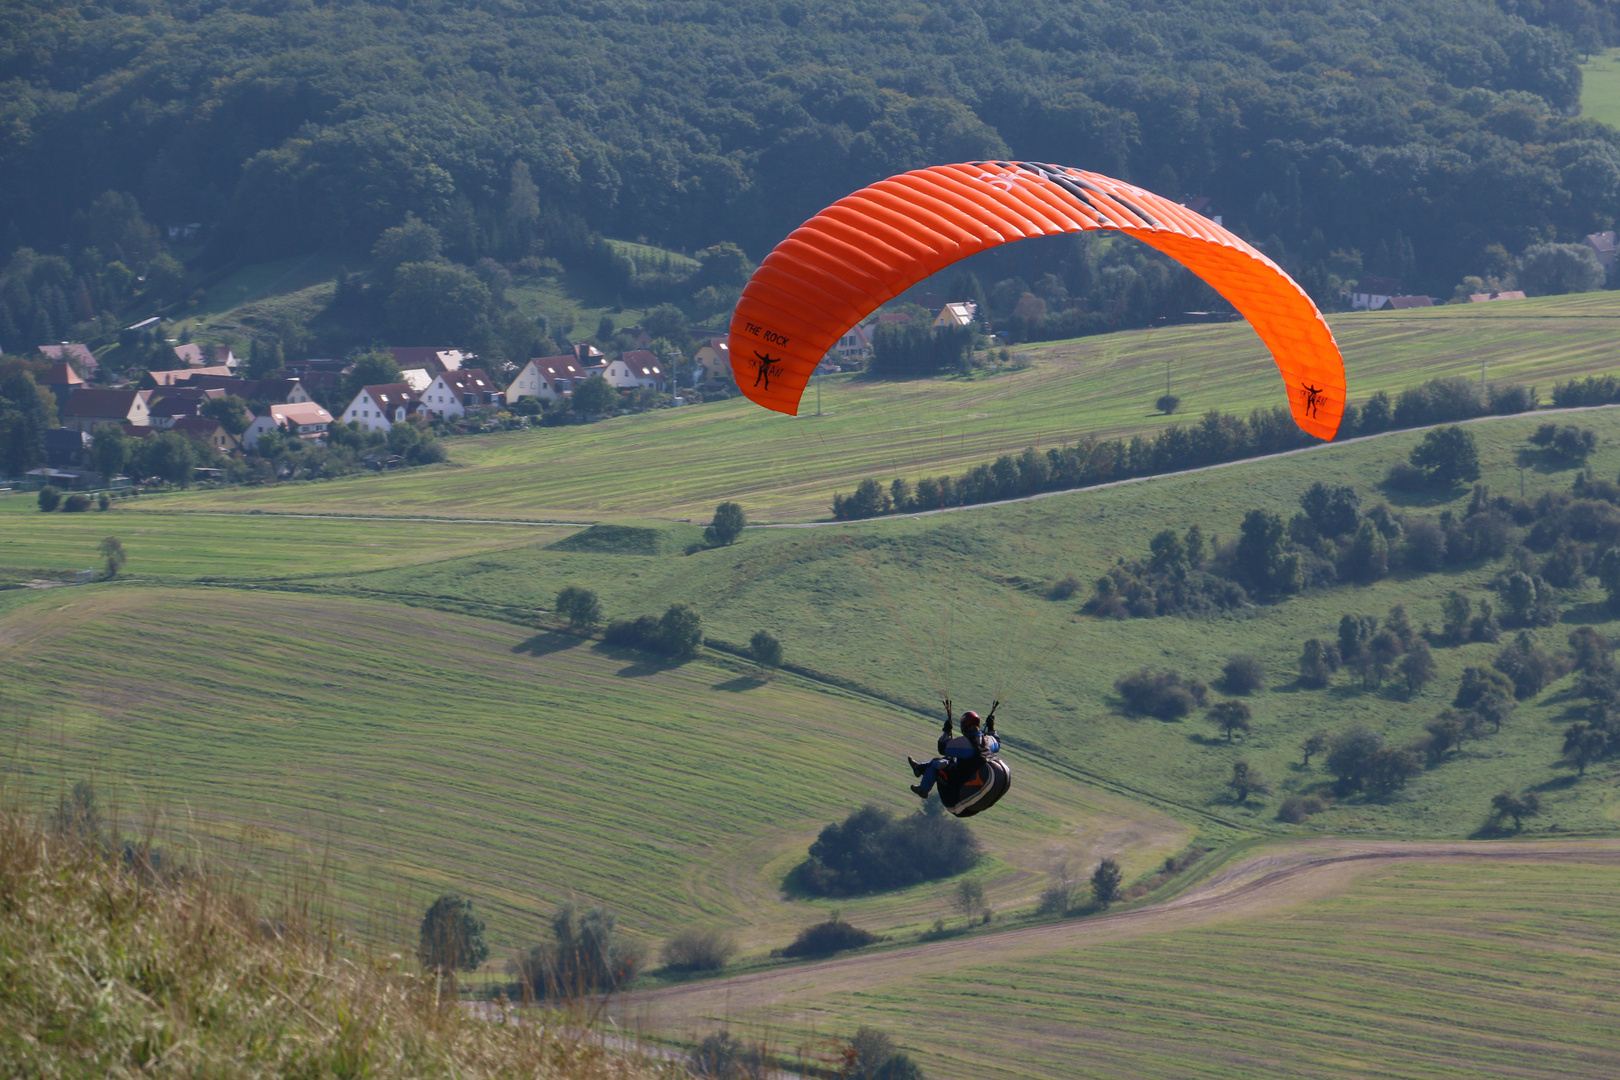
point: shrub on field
(720, 1056)
(1105, 882)
(1243, 674)
(699, 949)
(1318, 660)
(765, 649)
(587, 955)
(728, 524)
(1064, 588)
(77, 503)
(826, 938)
(452, 937)
(872, 1055)
(581, 607)
(49, 498)
(1167, 695)
(1296, 809)
(872, 850)
(679, 633)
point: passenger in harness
(959, 755)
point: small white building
(304, 419)
(1370, 293)
(634, 368)
(549, 378)
(452, 393)
(380, 407)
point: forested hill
(1421, 132)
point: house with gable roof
(634, 368)
(304, 419)
(452, 393)
(713, 358)
(380, 407)
(196, 356)
(208, 431)
(80, 356)
(88, 409)
(549, 378)
(957, 314)
(435, 359)
(62, 380)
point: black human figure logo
(1313, 398)
(766, 367)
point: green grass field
(876, 603)
(241, 547)
(1600, 86)
(412, 752)
(680, 463)
(1456, 969)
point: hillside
(682, 462)
(1310, 960)
(402, 753)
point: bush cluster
(678, 633)
(1217, 437)
(1167, 695)
(872, 850)
(826, 938)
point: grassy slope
(1461, 970)
(1600, 86)
(869, 602)
(681, 463)
(420, 752)
(173, 545)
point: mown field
(240, 546)
(399, 753)
(1600, 86)
(680, 463)
(910, 608)
(1453, 969)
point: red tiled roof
(100, 404)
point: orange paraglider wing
(869, 247)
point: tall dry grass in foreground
(115, 965)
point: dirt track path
(1271, 880)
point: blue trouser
(930, 775)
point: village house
(1406, 303)
(854, 344)
(196, 356)
(207, 430)
(80, 356)
(634, 368)
(435, 359)
(305, 419)
(165, 406)
(380, 407)
(154, 380)
(960, 314)
(452, 393)
(62, 380)
(713, 358)
(549, 378)
(1603, 243)
(1370, 292)
(89, 409)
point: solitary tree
(1315, 743)
(1417, 666)
(50, 498)
(1231, 716)
(109, 450)
(969, 898)
(1105, 882)
(452, 936)
(765, 649)
(680, 631)
(231, 412)
(1246, 780)
(1517, 807)
(1448, 455)
(113, 552)
(727, 525)
(1584, 744)
(580, 607)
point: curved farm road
(1272, 880)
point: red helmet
(970, 717)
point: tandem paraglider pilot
(959, 755)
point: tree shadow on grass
(1595, 612)
(640, 664)
(741, 684)
(1557, 783)
(547, 642)
(1209, 740)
